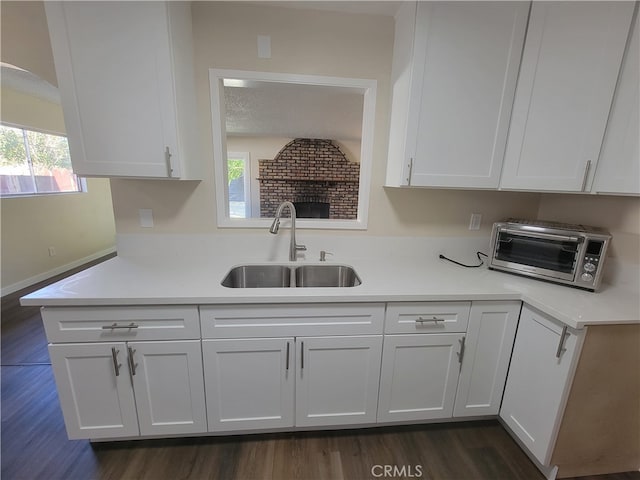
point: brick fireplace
(312, 173)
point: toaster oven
(558, 252)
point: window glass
(35, 163)
(238, 178)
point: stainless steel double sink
(283, 276)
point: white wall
(80, 226)
(326, 43)
(620, 215)
(305, 42)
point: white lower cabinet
(544, 357)
(96, 397)
(337, 380)
(385, 363)
(488, 346)
(419, 376)
(124, 389)
(249, 383)
(457, 373)
(307, 365)
(169, 386)
(260, 383)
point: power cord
(462, 264)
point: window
(239, 181)
(34, 163)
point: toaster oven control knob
(586, 277)
(589, 267)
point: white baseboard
(56, 271)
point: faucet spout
(293, 246)
(275, 226)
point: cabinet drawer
(242, 321)
(93, 324)
(427, 317)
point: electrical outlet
(52, 251)
(474, 223)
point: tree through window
(34, 163)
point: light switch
(264, 46)
(146, 217)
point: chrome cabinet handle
(434, 319)
(167, 158)
(587, 167)
(563, 336)
(461, 352)
(132, 364)
(410, 172)
(114, 357)
(287, 362)
(115, 326)
(302, 356)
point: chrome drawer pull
(287, 365)
(114, 357)
(116, 326)
(563, 336)
(461, 352)
(421, 320)
(132, 363)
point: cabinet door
(169, 387)
(113, 62)
(619, 165)
(569, 69)
(465, 66)
(249, 383)
(488, 346)
(95, 390)
(539, 380)
(419, 376)
(337, 380)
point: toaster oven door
(540, 254)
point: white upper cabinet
(569, 70)
(619, 165)
(454, 76)
(125, 74)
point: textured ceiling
(295, 111)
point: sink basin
(284, 276)
(258, 276)
(326, 276)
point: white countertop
(389, 270)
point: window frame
(81, 181)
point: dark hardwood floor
(35, 445)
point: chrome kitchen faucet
(293, 246)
